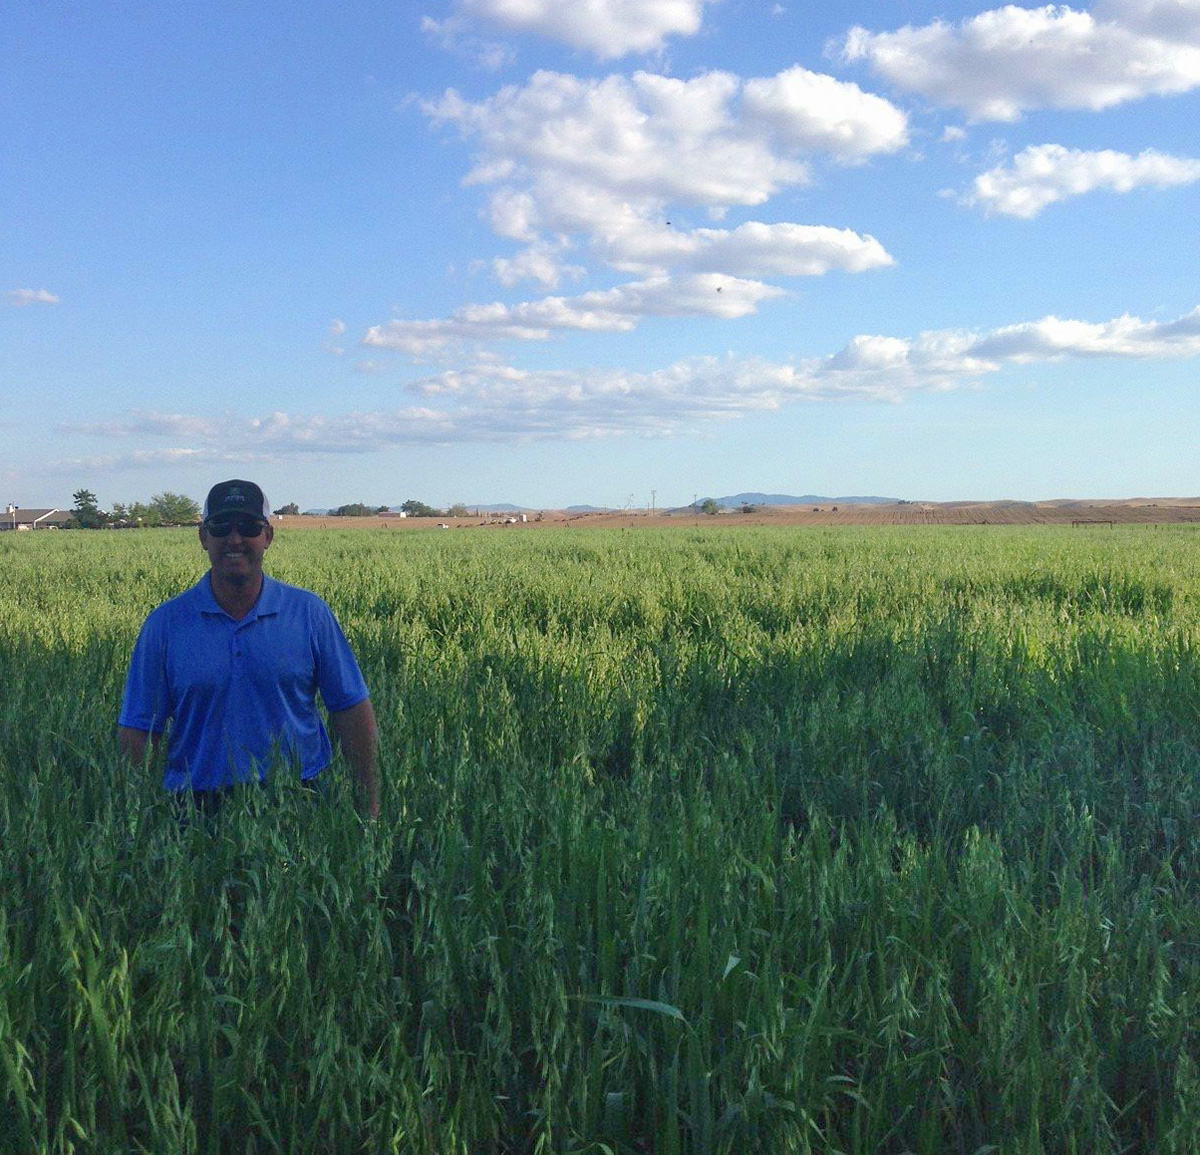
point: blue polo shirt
(239, 695)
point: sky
(607, 252)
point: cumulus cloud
(602, 160)
(489, 401)
(1053, 338)
(638, 137)
(605, 28)
(1008, 60)
(752, 249)
(1044, 173)
(608, 310)
(540, 262)
(816, 113)
(869, 367)
(22, 297)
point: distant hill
(739, 499)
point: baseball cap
(230, 498)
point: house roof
(38, 516)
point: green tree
(354, 509)
(174, 509)
(141, 514)
(291, 509)
(416, 508)
(459, 510)
(87, 514)
(709, 505)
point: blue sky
(552, 252)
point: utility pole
(653, 499)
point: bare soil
(1082, 513)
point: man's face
(234, 556)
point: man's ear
(203, 538)
(269, 530)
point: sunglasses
(246, 527)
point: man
(234, 665)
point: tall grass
(742, 840)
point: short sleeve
(146, 703)
(338, 677)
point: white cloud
(752, 249)
(1052, 338)
(607, 310)
(606, 28)
(816, 113)
(337, 327)
(496, 402)
(453, 35)
(602, 160)
(1005, 61)
(539, 262)
(641, 137)
(22, 297)
(1044, 173)
(1170, 20)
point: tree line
(162, 509)
(177, 509)
(412, 507)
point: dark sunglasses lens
(245, 527)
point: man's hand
(134, 742)
(358, 736)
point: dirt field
(1089, 514)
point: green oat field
(735, 841)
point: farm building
(17, 518)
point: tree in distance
(87, 514)
(709, 506)
(174, 509)
(354, 509)
(291, 509)
(416, 508)
(163, 509)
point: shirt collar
(268, 599)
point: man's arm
(359, 738)
(134, 742)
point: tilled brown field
(1082, 513)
